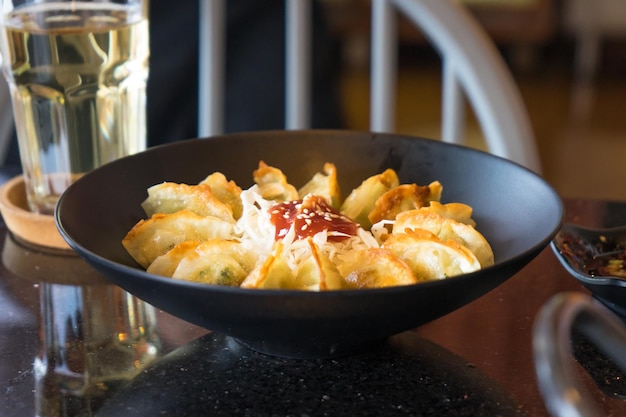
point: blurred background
(567, 56)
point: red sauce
(311, 216)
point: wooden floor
(580, 128)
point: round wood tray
(34, 228)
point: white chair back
(472, 69)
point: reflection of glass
(93, 336)
(93, 339)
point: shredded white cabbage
(254, 226)
(380, 229)
(255, 229)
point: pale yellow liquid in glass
(78, 85)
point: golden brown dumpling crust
(154, 237)
(228, 192)
(376, 268)
(362, 200)
(315, 273)
(318, 273)
(430, 257)
(272, 273)
(169, 197)
(273, 184)
(446, 229)
(402, 198)
(456, 211)
(166, 264)
(217, 262)
(325, 185)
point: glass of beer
(77, 72)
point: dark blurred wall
(254, 69)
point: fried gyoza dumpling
(362, 200)
(169, 197)
(402, 198)
(318, 273)
(228, 192)
(273, 273)
(218, 262)
(376, 268)
(155, 236)
(166, 264)
(457, 211)
(446, 229)
(430, 257)
(315, 273)
(324, 184)
(273, 184)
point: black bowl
(516, 210)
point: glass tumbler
(77, 74)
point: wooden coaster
(38, 229)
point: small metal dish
(596, 258)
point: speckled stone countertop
(408, 376)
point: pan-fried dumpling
(457, 211)
(362, 200)
(315, 273)
(155, 236)
(376, 268)
(325, 185)
(273, 273)
(273, 184)
(318, 273)
(402, 198)
(228, 192)
(447, 229)
(169, 197)
(166, 264)
(430, 257)
(218, 262)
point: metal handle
(553, 351)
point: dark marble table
(476, 361)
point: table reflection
(93, 337)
